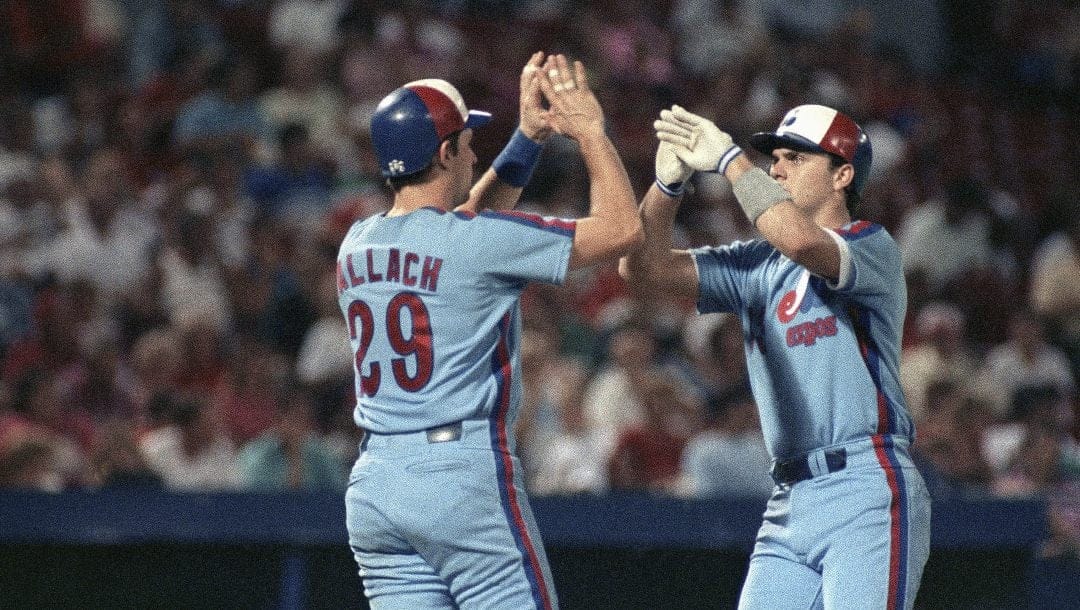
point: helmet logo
(396, 166)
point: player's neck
(413, 197)
(832, 216)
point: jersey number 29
(417, 346)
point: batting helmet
(821, 129)
(411, 122)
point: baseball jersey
(823, 357)
(431, 299)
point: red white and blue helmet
(411, 122)
(821, 129)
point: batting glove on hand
(671, 172)
(698, 142)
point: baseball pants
(440, 519)
(858, 537)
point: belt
(444, 434)
(803, 467)
(438, 434)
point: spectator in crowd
(107, 238)
(191, 452)
(1034, 409)
(246, 400)
(325, 359)
(647, 454)
(728, 459)
(299, 184)
(157, 362)
(944, 238)
(948, 447)
(117, 461)
(291, 455)
(267, 293)
(1035, 470)
(103, 386)
(536, 420)
(714, 365)
(305, 97)
(48, 344)
(1026, 358)
(40, 412)
(308, 24)
(572, 459)
(1055, 293)
(167, 33)
(30, 463)
(203, 353)
(611, 397)
(192, 278)
(225, 116)
(941, 353)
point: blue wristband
(671, 190)
(727, 158)
(516, 162)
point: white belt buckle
(444, 434)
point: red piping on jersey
(895, 518)
(503, 454)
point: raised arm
(612, 228)
(499, 188)
(705, 147)
(787, 228)
(656, 267)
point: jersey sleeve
(723, 275)
(523, 246)
(869, 260)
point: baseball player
(436, 506)
(821, 300)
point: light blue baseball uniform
(437, 513)
(823, 360)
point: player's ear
(843, 176)
(447, 149)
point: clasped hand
(573, 108)
(695, 140)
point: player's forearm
(788, 229)
(611, 197)
(658, 221)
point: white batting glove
(698, 142)
(671, 172)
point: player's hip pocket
(436, 466)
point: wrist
(536, 135)
(671, 189)
(518, 159)
(725, 159)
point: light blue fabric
(824, 363)
(432, 303)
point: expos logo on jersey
(801, 300)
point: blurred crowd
(175, 176)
